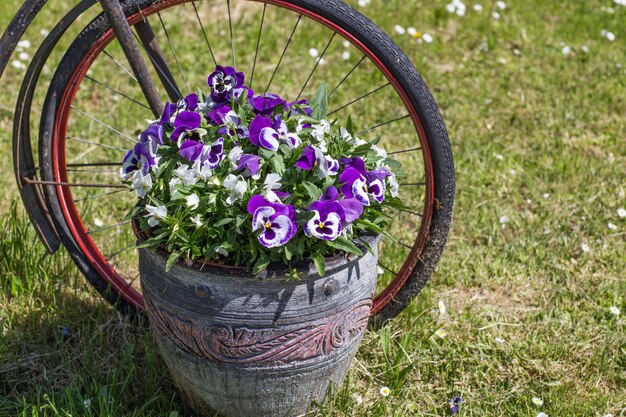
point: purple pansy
(454, 405)
(311, 158)
(223, 81)
(152, 138)
(250, 163)
(269, 134)
(264, 104)
(232, 126)
(277, 221)
(349, 209)
(189, 103)
(325, 224)
(209, 155)
(137, 158)
(186, 124)
(300, 107)
(191, 150)
(333, 165)
(166, 117)
(363, 185)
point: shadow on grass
(63, 350)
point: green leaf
(170, 261)
(278, 164)
(319, 105)
(314, 191)
(350, 126)
(320, 264)
(223, 221)
(134, 212)
(376, 228)
(341, 243)
(261, 264)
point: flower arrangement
(249, 179)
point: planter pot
(257, 346)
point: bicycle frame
(25, 169)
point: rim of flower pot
(334, 263)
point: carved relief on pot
(242, 345)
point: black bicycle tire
(390, 56)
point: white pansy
(186, 175)
(141, 183)
(237, 186)
(320, 130)
(155, 214)
(234, 155)
(192, 201)
(201, 171)
(271, 183)
(380, 152)
(221, 251)
(173, 183)
(197, 220)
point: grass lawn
(534, 98)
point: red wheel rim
(88, 246)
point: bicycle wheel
(94, 109)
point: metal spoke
(114, 254)
(232, 42)
(27, 180)
(359, 98)
(100, 122)
(130, 74)
(116, 92)
(169, 41)
(284, 51)
(206, 39)
(387, 268)
(316, 64)
(164, 74)
(415, 213)
(96, 144)
(414, 184)
(419, 148)
(258, 42)
(96, 196)
(383, 124)
(132, 281)
(347, 76)
(95, 164)
(113, 226)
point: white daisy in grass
(17, 64)
(614, 310)
(380, 271)
(346, 44)
(427, 38)
(457, 7)
(612, 226)
(385, 391)
(546, 195)
(440, 333)
(566, 50)
(98, 222)
(24, 43)
(621, 212)
(611, 415)
(585, 247)
(314, 52)
(585, 49)
(541, 414)
(411, 31)
(477, 7)
(495, 15)
(537, 401)
(24, 56)
(504, 220)
(399, 30)
(358, 399)
(442, 308)
(364, 3)
(620, 3)
(345, 55)
(499, 156)
(44, 32)
(609, 36)
(87, 403)
(501, 5)
(499, 340)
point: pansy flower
(363, 185)
(142, 183)
(313, 158)
(276, 221)
(186, 125)
(166, 117)
(237, 186)
(189, 103)
(232, 126)
(265, 104)
(138, 158)
(209, 155)
(251, 164)
(300, 107)
(271, 187)
(270, 134)
(223, 81)
(331, 214)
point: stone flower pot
(257, 346)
